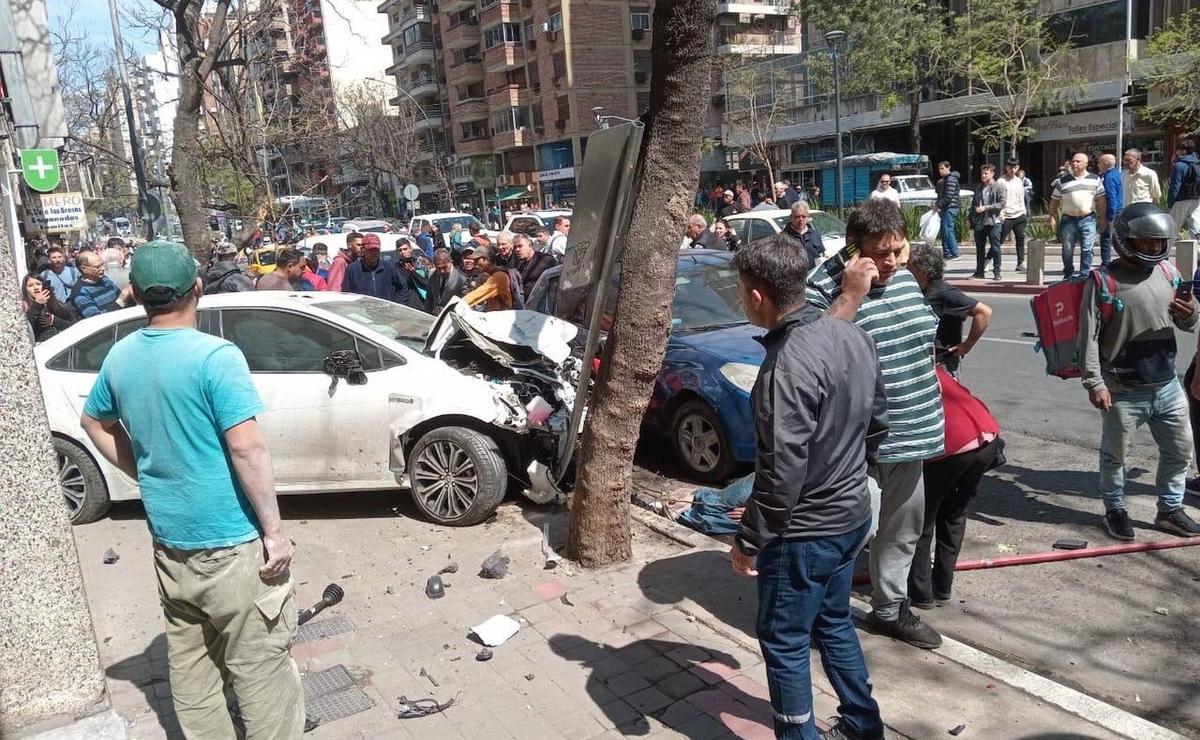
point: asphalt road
(1090, 624)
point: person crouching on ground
(1128, 367)
(820, 414)
(973, 447)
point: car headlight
(741, 374)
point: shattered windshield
(393, 321)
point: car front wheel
(81, 482)
(458, 476)
(700, 443)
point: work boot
(908, 628)
(841, 731)
(1118, 526)
(1177, 522)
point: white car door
(322, 435)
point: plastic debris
(111, 556)
(529, 676)
(434, 588)
(432, 680)
(485, 654)
(494, 631)
(1161, 611)
(450, 567)
(552, 557)
(565, 601)
(957, 730)
(495, 566)
(409, 708)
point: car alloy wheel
(445, 479)
(699, 443)
(72, 483)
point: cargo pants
(224, 623)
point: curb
(987, 286)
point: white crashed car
(754, 225)
(360, 395)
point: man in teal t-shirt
(176, 409)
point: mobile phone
(846, 254)
(1185, 290)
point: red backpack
(1057, 310)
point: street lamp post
(834, 40)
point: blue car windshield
(706, 297)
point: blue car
(701, 399)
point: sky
(91, 18)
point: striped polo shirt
(903, 326)
(1077, 194)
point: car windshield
(706, 297)
(393, 321)
(465, 220)
(906, 184)
(827, 224)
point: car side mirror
(345, 363)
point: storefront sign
(57, 212)
(1088, 125)
(562, 173)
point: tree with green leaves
(1005, 48)
(1173, 72)
(895, 49)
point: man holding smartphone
(1128, 365)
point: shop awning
(513, 193)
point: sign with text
(1092, 124)
(57, 212)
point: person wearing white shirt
(1014, 216)
(1140, 183)
(884, 190)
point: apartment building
(510, 89)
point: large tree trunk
(914, 121)
(669, 170)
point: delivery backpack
(1057, 312)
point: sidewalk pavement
(661, 646)
(959, 273)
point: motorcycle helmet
(1143, 221)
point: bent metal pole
(1057, 555)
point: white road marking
(1025, 342)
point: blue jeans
(1164, 409)
(949, 232)
(804, 599)
(1077, 230)
(1106, 244)
(709, 512)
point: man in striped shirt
(1079, 198)
(886, 302)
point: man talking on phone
(1127, 354)
(176, 409)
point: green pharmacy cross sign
(40, 168)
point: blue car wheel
(700, 443)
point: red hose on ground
(1057, 555)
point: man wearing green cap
(176, 409)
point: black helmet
(1143, 221)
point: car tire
(700, 443)
(473, 493)
(84, 491)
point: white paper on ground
(495, 630)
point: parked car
(360, 394)
(918, 190)
(701, 398)
(754, 225)
(445, 223)
(527, 222)
(363, 225)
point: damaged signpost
(598, 227)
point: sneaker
(908, 628)
(1193, 485)
(1020, 267)
(842, 731)
(1177, 522)
(1118, 526)
(996, 277)
(977, 276)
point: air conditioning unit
(639, 34)
(552, 35)
(640, 77)
(743, 17)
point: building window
(641, 67)
(501, 33)
(472, 130)
(531, 71)
(643, 102)
(484, 4)
(560, 65)
(510, 119)
(564, 108)
(639, 19)
(554, 22)
(1095, 24)
(414, 34)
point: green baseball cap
(162, 272)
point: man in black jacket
(946, 206)
(530, 263)
(820, 414)
(446, 282)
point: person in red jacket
(973, 447)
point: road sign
(40, 168)
(411, 192)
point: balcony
(504, 10)
(464, 73)
(454, 6)
(419, 53)
(461, 36)
(759, 44)
(504, 56)
(755, 7)
(428, 116)
(507, 96)
(387, 5)
(394, 35)
(419, 86)
(473, 147)
(414, 14)
(505, 140)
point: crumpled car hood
(508, 337)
